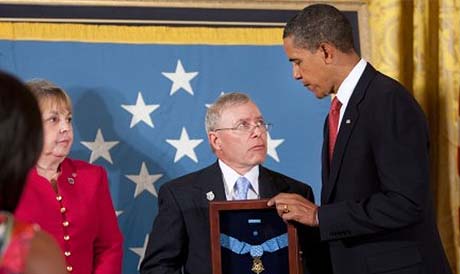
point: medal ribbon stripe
(240, 247)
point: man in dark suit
(376, 212)
(180, 238)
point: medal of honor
(257, 266)
(255, 251)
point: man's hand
(293, 207)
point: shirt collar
(230, 176)
(348, 85)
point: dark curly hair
(318, 24)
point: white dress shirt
(348, 85)
(230, 176)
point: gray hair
(46, 91)
(214, 113)
(318, 24)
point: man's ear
(214, 141)
(328, 52)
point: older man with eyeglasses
(237, 133)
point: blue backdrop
(139, 112)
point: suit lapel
(349, 120)
(209, 186)
(270, 185)
(211, 181)
(325, 169)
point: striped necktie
(241, 189)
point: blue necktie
(241, 189)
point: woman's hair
(47, 92)
(21, 138)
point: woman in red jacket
(24, 248)
(69, 198)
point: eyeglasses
(246, 127)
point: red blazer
(80, 216)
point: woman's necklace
(49, 173)
(48, 169)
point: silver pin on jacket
(210, 196)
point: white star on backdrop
(185, 146)
(140, 251)
(144, 181)
(100, 148)
(141, 111)
(208, 105)
(118, 212)
(272, 144)
(180, 79)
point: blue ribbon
(240, 247)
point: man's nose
(295, 72)
(257, 131)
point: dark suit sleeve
(315, 257)
(166, 248)
(393, 160)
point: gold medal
(257, 266)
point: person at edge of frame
(376, 212)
